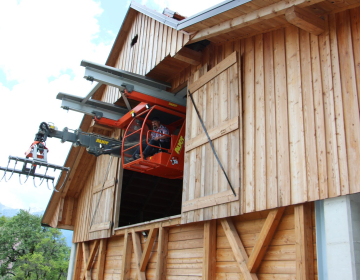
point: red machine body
(167, 163)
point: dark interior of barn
(145, 198)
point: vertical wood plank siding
(301, 125)
(155, 42)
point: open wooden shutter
(206, 192)
(102, 215)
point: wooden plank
(173, 42)
(319, 116)
(270, 122)
(117, 197)
(86, 273)
(214, 133)
(210, 200)
(329, 110)
(148, 248)
(218, 69)
(296, 118)
(260, 137)
(249, 126)
(77, 268)
(264, 239)
(282, 133)
(101, 259)
(256, 16)
(339, 110)
(350, 99)
(137, 253)
(102, 226)
(160, 43)
(309, 118)
(162, 254)
(126, 257)
(304, 242)
(209, 243)
(237, 248)
(305, 20)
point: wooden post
(126, 257)
(162, 251)
(304, 242)
(209, 261)
(86, 274)
(101, 258)
(78, 260)
(137, 253)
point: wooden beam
(164, 222)
(304, 242)
(305, 20)
(148, 247)
(101, 259)
(209, 259)
(214, 133)
(210, 200)
(126, 257)
(217, 70)
(77, 269)
(94, 249)
(137, 253)
(162, 251)
(86, 274)
(248, 19)
(117, 198)
(264, 238)
(238, 248)
(189, 56)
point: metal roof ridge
(210, 12)
(154, 14)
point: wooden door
(206, 192)
(102, 201)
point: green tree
(30, 251)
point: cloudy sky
(42, 43)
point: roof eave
(210, 12)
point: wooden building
(277, 84)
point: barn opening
(145, 198)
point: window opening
(134, 40)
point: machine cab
(165, 162)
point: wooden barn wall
(300, 112)
(155, 42)
(186, 246)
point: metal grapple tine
(12, 172)
(27, 177)
(42, 179)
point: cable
(211, 144)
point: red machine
(166, 163)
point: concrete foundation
(338, 237)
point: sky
(42, 43)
